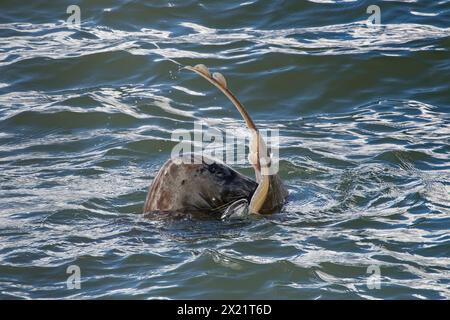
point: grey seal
(210, 187)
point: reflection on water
(86, 118)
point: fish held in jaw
(195, 187)
(270, 193)
(220, 79)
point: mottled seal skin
(208, 187)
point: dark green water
(86, 118)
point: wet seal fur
(212, 187)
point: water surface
(86, 118)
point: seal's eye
(216, 170)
